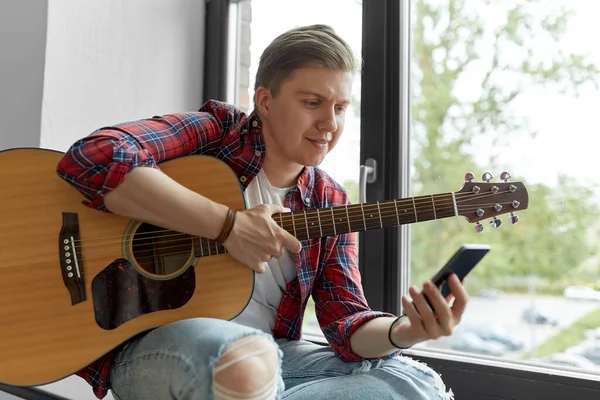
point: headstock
(477, 201)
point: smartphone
(461, 263)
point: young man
(302, 91)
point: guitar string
(326, 225)
(208, 245)
(287, 217)
(354, 210)
(212, 246)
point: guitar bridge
(71, 262)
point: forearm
(371, 339)
(151, 196)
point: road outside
(506, 312)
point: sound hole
(160, 251)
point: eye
(340, 109)
(311, 103)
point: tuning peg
(495, 222)
(505, 176)
(487, 177)
(469, 177)
(514, 218)
(478, 227)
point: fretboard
(316, 223)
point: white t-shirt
(261, 312)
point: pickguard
(120, 293)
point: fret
(445, 206)
(333, 222)
(356, 218)
(362, 210)
(327, 223)
(415, 208)
(341, 224)
(205, 240)
(371, 216)
(197, 247)
(348, 219)
(336, 220)
(379, 212)
(319, 218)
(308, 235)
(405, 210)
(424, 208)
(294, 224)
(388, 214)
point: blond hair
(313, 45)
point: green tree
(452, 47)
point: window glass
(513, 86)
(258, 23)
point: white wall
(95, 63)
(22, 46)
(110, 61)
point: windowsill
(482, 361)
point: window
(254, 24)
(513, 86)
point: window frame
(468, 376)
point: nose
(328, 122)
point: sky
(568, 128)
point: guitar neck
(310, 224)
(331, 221)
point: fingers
(288, 240)
(442, 311)
(460, 297)
(435, 318)
(430, 322)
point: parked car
(592, 353)
(584, 293)
(469, 342)
(493, 333)
(537, 317)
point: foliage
(467, 82)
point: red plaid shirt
(326, 268)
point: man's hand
(423, 323)
(256, 237)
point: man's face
(304, 121)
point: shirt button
(243, 179)
(307, 200)
(255, 123)
(257, 153)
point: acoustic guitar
(75, 283)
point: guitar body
(75, 282)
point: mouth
(319, 142)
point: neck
(320, 222)
(281, 174)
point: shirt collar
(306, 180)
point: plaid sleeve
(98, 163)
(340, 304)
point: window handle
(368, 174)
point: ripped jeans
(177, 362)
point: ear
(262, 100)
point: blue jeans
(176, 362)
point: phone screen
(461, 263)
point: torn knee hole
(248, 366)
